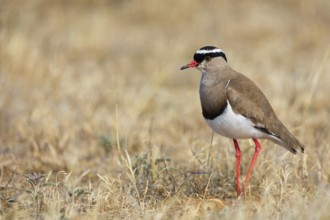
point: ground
(98, 122)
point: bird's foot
(241, 196)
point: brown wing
(248, 100)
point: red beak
(189, 65)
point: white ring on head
(216, 50)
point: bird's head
(203, 56)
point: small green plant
(36, 181)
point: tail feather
(286, 139)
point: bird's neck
(216, 73)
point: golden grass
(97, 121)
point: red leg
(238, 166)
(256, 153)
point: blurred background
(78, 79)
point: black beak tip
(184, 67)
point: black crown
(208, 51)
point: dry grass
(97, 121)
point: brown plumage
(235, 107)
(222, 83)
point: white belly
(235, 126)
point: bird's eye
(208, 58)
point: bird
(235, 107)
